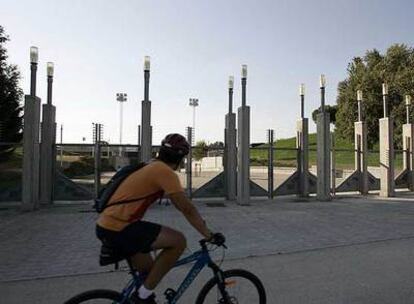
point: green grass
(287, 158)
(9, 180)
(13, 161)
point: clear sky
(98, 49)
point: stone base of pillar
(302, 144)
(408, 147)
(31, 153)
(146, 130)
(188, 165)
(361, 155)
(47, 146)
(231, 157)
(323, 158)
(386, 157)
(243, 156)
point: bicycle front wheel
(98, 296)
(241, 286)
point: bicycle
(220, 289)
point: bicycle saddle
(109, 256)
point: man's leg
(142, 262)
(172, 243)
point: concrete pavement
(351, 250)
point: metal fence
(11, 167)
(82, 168)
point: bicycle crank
(233, 300)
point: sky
(98, 49)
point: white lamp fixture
(194, 102)
(302, 89)
(384, 89)
(244, 71)
(147, 63)
(407, 100)
(50, 69)
(322, 81)
(359, 95)
(231, 82)
(34, 54)
(121, 97)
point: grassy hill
(285, 154)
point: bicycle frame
(202, 259)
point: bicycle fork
(221, 283)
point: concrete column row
(38, 157)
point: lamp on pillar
(147, 66)
(50, 71)
(302, 100)
(361, 147)
(243, 150)
(302, 146)
(48, 141)
(146, 129)
(322, 84)
(231, 86)
(386, 125)
(408, 146)
(31, 147)
(34, 57)
(359, 99)
(407, 107)
(230, 155)
(244, 82)
(385, 98)
(323, 148)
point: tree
(329, 109)
(396, 68)
(10, 97)
(216, 145)
(200, 150)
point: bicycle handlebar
(204, 242)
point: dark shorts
(135, 238)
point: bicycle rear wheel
(97, 296)
(242, 286)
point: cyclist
(123, 228)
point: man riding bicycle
(121, 226)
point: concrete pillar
(97, 162)
(231, 157)
(47, 153)
(386, 157)
(31, 157)
(270, 175)
(323, 158)
(302, 144)
(333, 165)
(408, 159)
(146, 131)
(243, 156)
(361, 155)
(188, 167)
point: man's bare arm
(182, 203)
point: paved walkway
(345, 251)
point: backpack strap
(128, 201)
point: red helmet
(176, 143)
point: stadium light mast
(121, 98)
(194, 103)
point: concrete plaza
(350, 250)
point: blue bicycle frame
(201, 257)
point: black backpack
(109, 189)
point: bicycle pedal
(170, 294)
